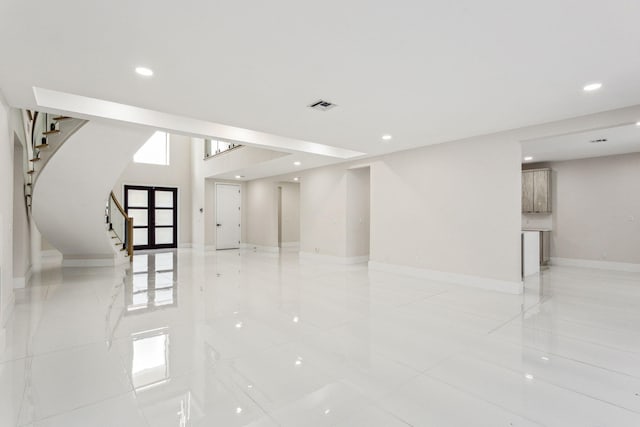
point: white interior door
(228, 216)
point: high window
(155, 151)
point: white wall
(176, 174)
(596, 209)
(6, 216)
(323, 211)
(21, 238)
(197, 194)
(262, 213)
(530, 220)
(451, 207)
(290, 213)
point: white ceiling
(619, 140)
(425, 72)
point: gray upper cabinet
(527, 192)
(536, 191)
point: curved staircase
(74, 165)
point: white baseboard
(89, 262)
(515, 287)
(260, 248)
(21, 282)
(50, 253)
(202, 248)
(600, 265)
(334, 259)
(290, 244)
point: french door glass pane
(140, 237)
(164, 199)
(139, 216)
(164, 236)
(164, 217)
(138, 198)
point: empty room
(303, 214)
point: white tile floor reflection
(230, 339)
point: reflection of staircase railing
(120, 224)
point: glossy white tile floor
(230, 339)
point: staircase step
(50, 132)
(31, 171)
(42, 146)
(36, 159)
(59, 118)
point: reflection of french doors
(155, 216)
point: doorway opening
(228, 216)
(288, 215)
(358, 213)
(155, 216)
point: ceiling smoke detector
(322, 105)
(597, 141)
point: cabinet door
(527, 192)
(541, 196)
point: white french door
(228, 216)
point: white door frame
(216, 208)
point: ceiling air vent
(597, 141)
(322, 105)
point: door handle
(218, 225)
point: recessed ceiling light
(144, 71)
(637, 123)
(297, 163)
(386, 137)
(592, 86)
(528, 376)
(238, 410)
(239, 176)
(528, 158)
(296, 179)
